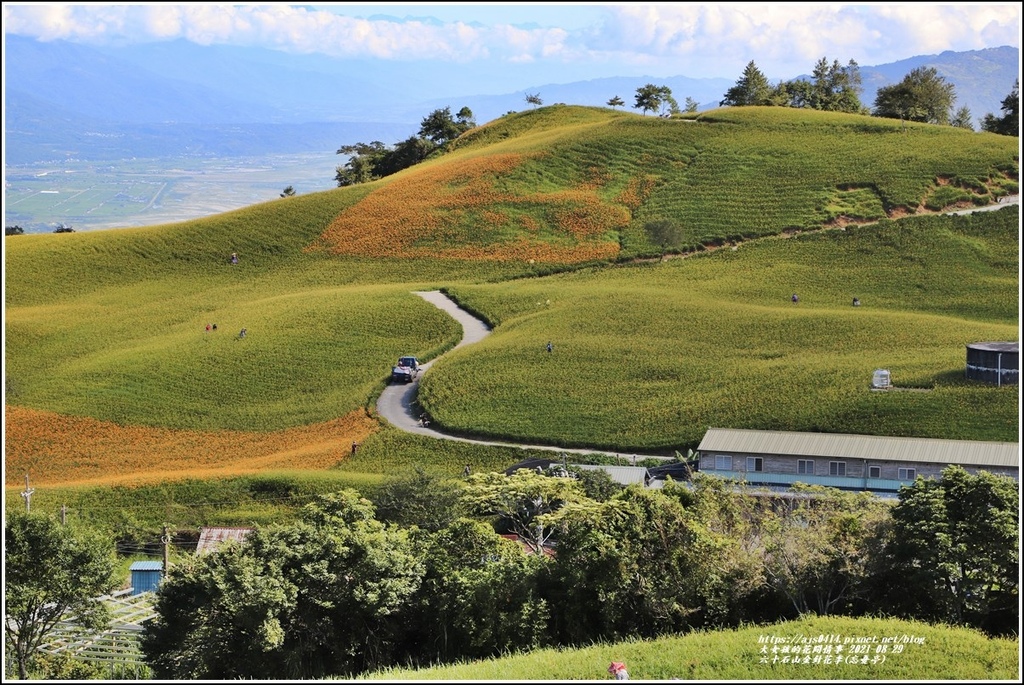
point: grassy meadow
(883, 650)
(540, 223)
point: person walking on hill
(550, 346)
(234, 258)
(795, 298)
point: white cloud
(713, 39)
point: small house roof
(146, 566)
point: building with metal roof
(210, 538)
(849, 462)
(146, 576)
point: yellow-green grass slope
(894, 650)
(111, 325)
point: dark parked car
(405, 370)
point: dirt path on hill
(838, 224)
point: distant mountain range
(64, 100)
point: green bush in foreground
(896, 650)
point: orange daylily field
(63, 450)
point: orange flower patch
(452, 211)
(54, 449)
(636, 192)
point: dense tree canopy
(955, 550)
(834, 88)
(340, 592)
(371, 161)
(923, 95)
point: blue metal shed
(146, 576)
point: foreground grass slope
(914, 651)
(109, 326)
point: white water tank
(881, 379)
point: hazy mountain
(177, 97)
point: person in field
(618, 669)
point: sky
(701, 40)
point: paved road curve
(397, 403)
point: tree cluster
(923, 96)
(342, 591)
(371, 161)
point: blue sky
(590, 40)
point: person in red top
(618, 669)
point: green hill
(536, 221)
(809, 649)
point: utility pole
(27, 495)
(166, 539)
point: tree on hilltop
(616, 102)
(651, 98)
(288, 191)
(752, 88)
(1009, 123)
(690, 105)
(963, 119)
(371, 161)
(534, 100)
(14, 230)
(923, 96)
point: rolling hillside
(554, 224)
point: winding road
(397, 403)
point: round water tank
(997, 363)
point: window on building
(837, 468)
(805, 466)
(755, 464)
(908, 474)
(874, 472)
(723, 463)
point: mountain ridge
(124, 89)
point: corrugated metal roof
(626, 475)
(211, 538)
(924, 450)
(146, 566)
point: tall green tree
(52, 572)
(521, 501)
(649, 98)
(1009, 123)
(440, 127)
(836, 87)
(752, 88)
(627, 568)
(954, 552)
(817, 547)
(534, 100)
(480, 596)
(963, 119)
(421, 499)
(615, 102)
(923, 95)
(690, 105)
